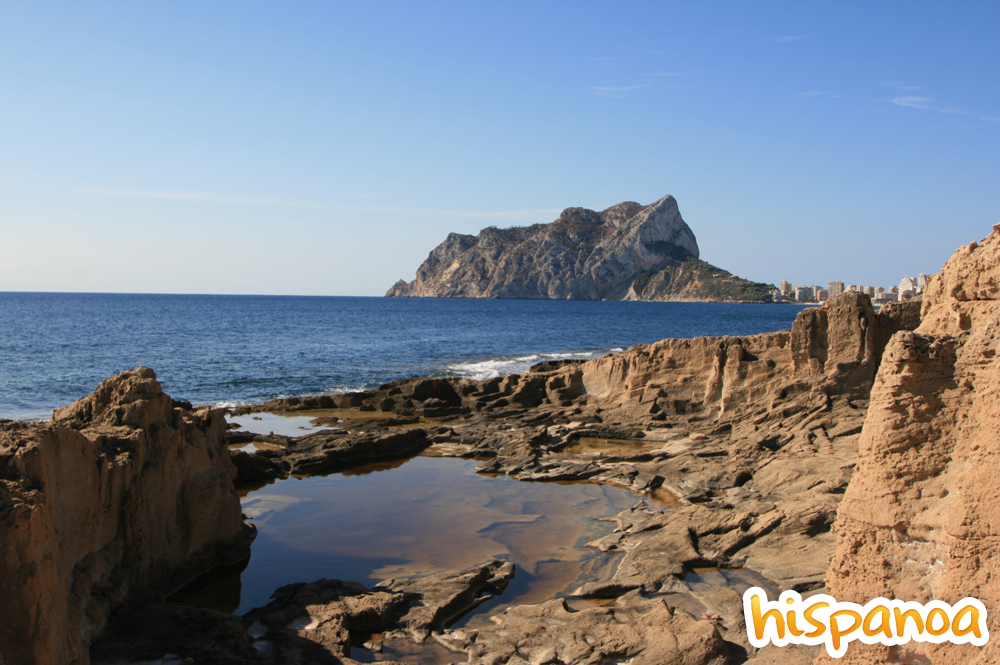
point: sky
(326, 147)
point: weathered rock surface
(444, 597)
(305, 624)
(755, 438)
(327, 451)
(122, 491)
(627, 252)
(921, 517)
(640, 630)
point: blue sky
(326, 148)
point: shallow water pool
(418, 516)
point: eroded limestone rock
(121, 491)
(921, 517)
(755, 438)
(641, 630)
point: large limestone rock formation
(627, 252)
(122, 491)
(921, 517)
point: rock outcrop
(753, 439)
(326, 451)
(304, 624)
(627, 252)
(921, 517)
(122, 491)
(637, 630)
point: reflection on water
(664, 498)
(426, 515)
(300, 423)
(593, 445)
(407, 651)
(281, 423)
(706, 580)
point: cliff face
(921, 518)
(833, 349)
(627, 252)
(121, 491)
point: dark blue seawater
(228, 350)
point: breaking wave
(492, 367)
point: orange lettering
(835, 630)
(973, 626)
(792, 628)
(930, 622)
(820, 627)
(884, 625)
(901, 618)
(760, 622)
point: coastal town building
(800, 293)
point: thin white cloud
(623, 88)
(927, 104)
(617, 91)
(533, 215)
(914, 102)
(791, 38)
(197, 197)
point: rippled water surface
(56, 347)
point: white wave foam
(230, 403)
(488, 369)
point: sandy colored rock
(640, 630)
(122, 491)
(755, 438)
(329, 450)
(921, 517)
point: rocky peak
(133, 398)
(584, 255)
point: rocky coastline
(851, 455)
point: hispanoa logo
(822, 620)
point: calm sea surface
(229, 350)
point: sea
(230, 350)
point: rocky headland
(627, 252)
(854, 454)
